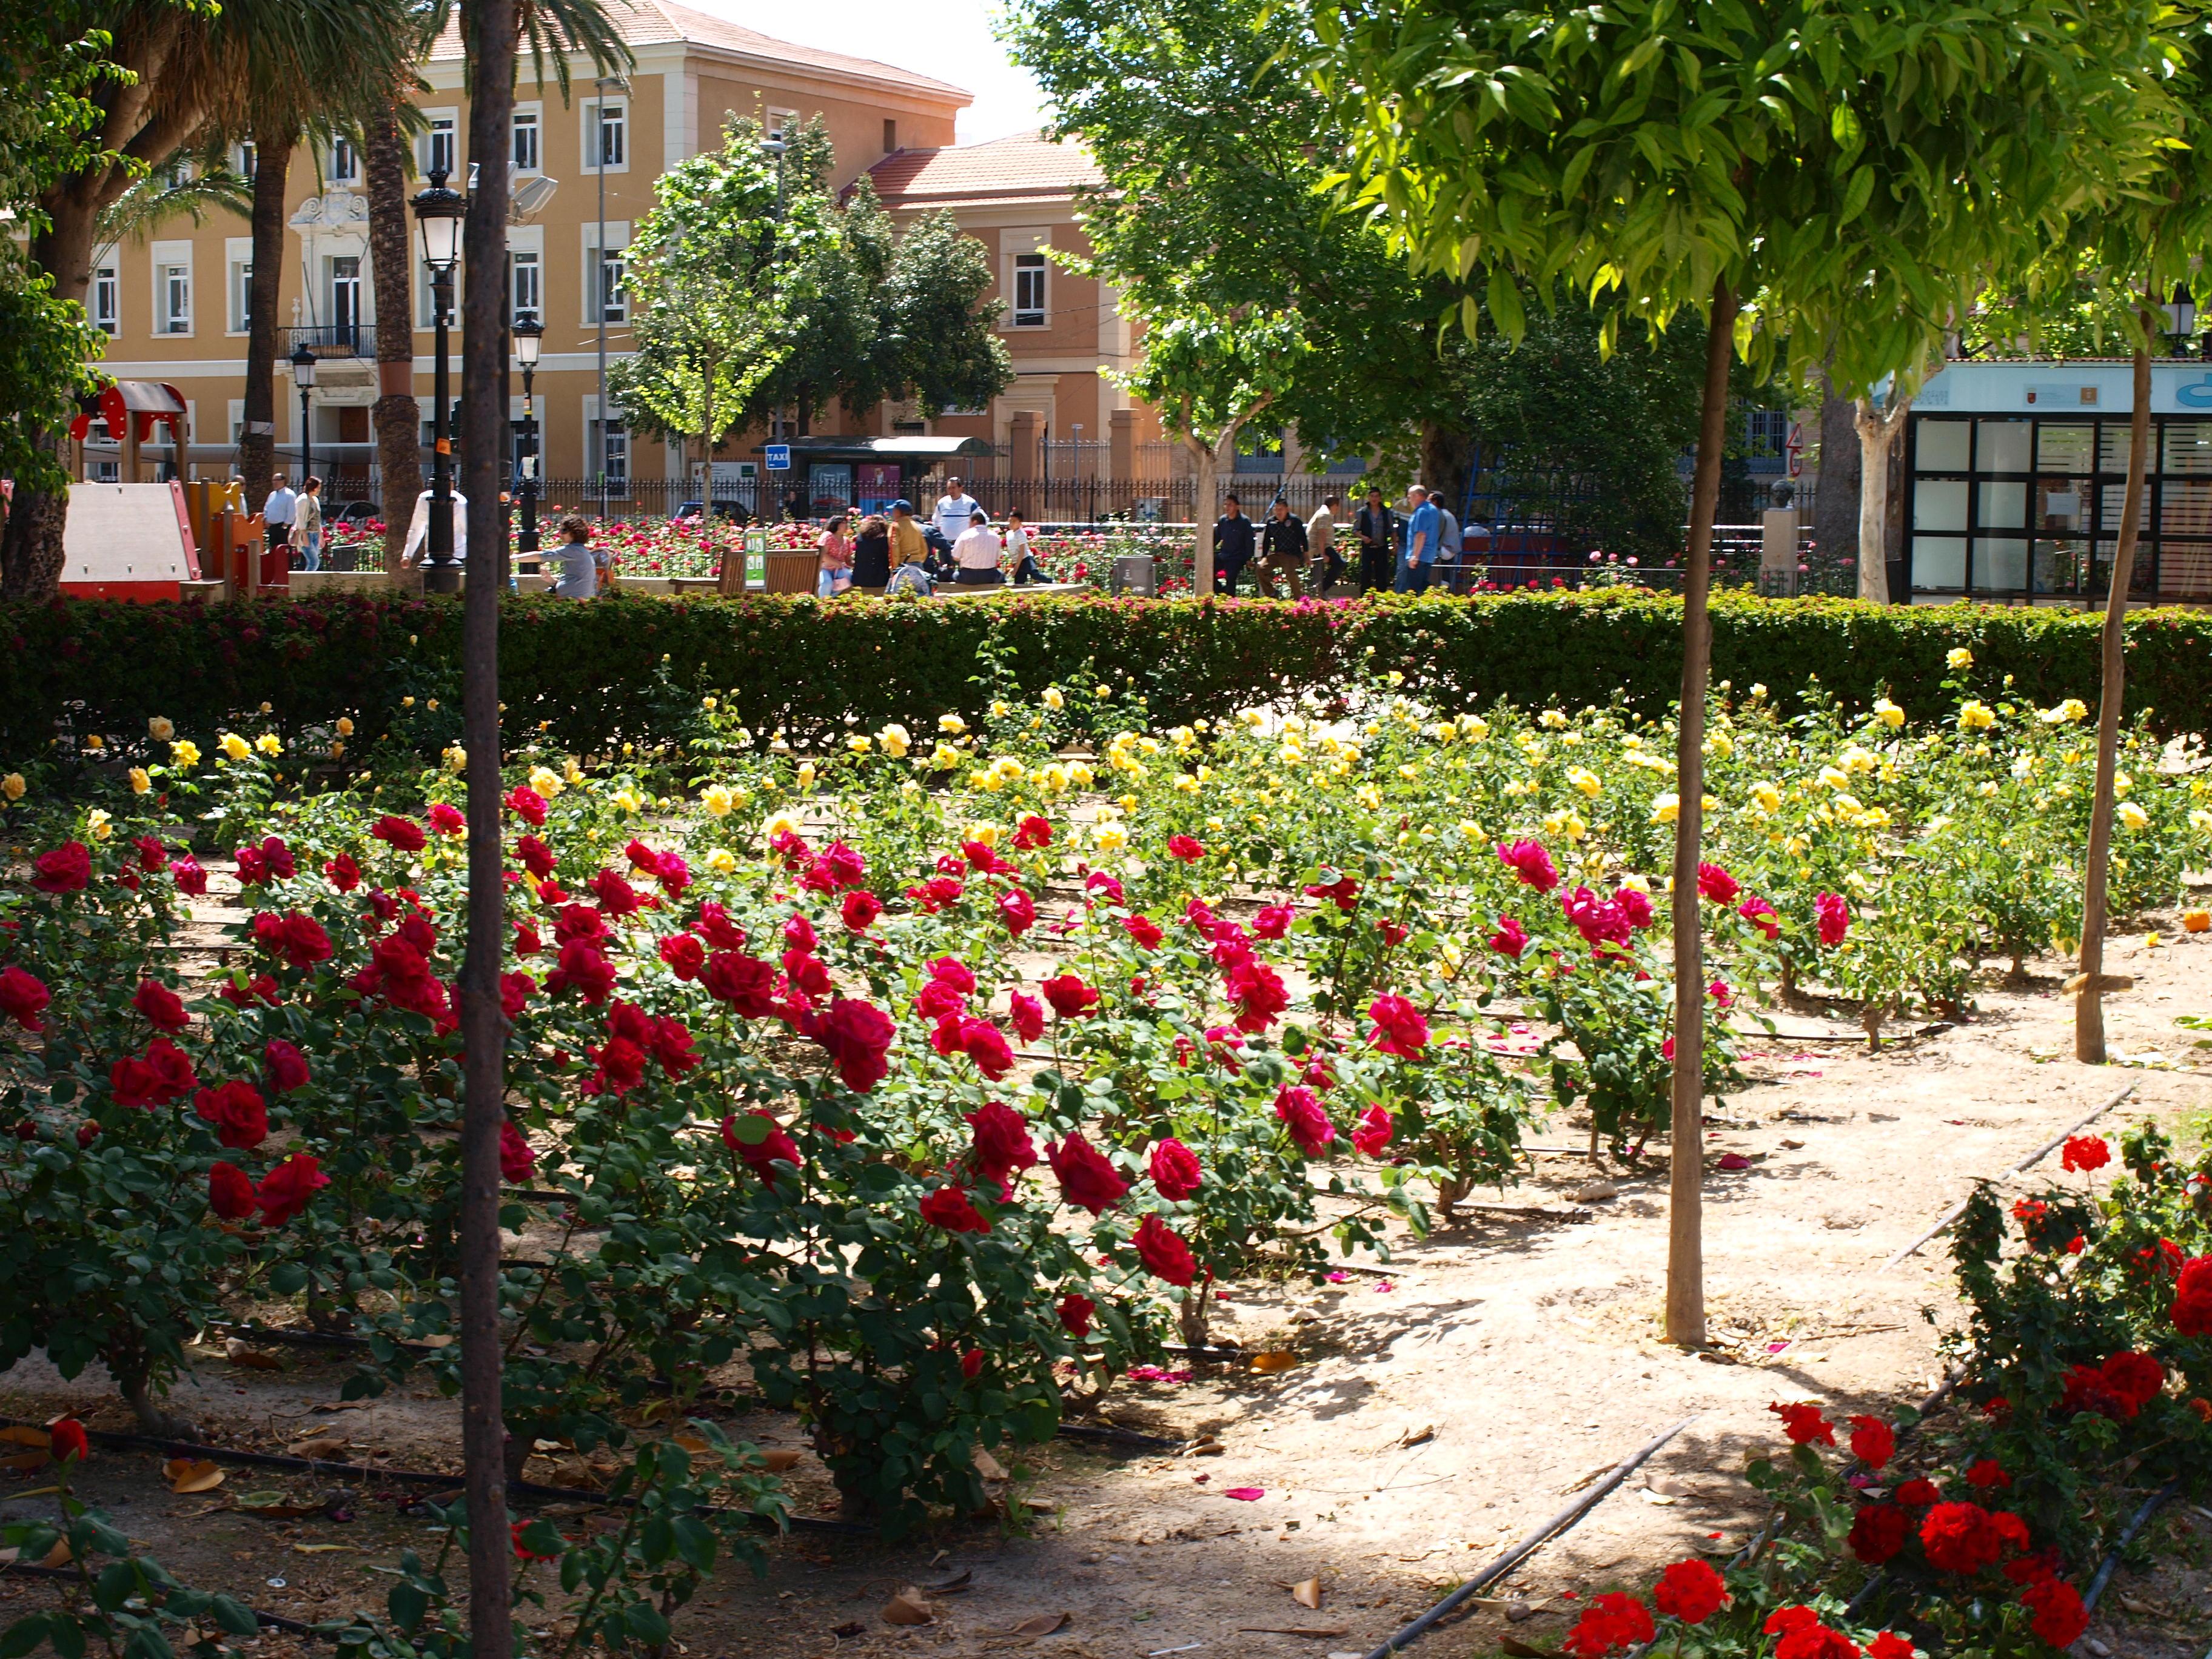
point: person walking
(1234, 537)
(277, 513)
(307, 524)
(418, 530)
(1019, 553)
(976, 555)
(835, 552)
(956, 511)
(1321, 544)
(575, 567)
(1282, 550)
(1424, 533)
(872, 554)
(1378, 528)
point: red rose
(1256, 991)
(1176, 1170)
(860, 910)
(2192, 1296)
(621, 1067)
(616, 896)
(152, 856)
(537, 857)
(799, 933)
(986, 1044)
(971, 1363)
(1833, 916)
(66, 869)
(809, 975)
(1873, 1443)
(160, 1005)
(343, 872)
(685, 955)
(1399, 1028)
(1716, 884)
(1002, 1145)
(1343, 892)
(858, 1036)
(2086, 1152)
(1272, 922)
(1690, 1591)
(672, 1045)
(1018, 910)
(1530, 861)
(585, 967)
(189, 877)
(762, 1157)
(288, 1067)
(230, 1194)
(1609, 1622)
(66, 1439)
(1144, 930)
(1162, 1251)
(515, 991)
(1027, 1014)
(289, 1187)
(1878, 1532)
(1032, 832)
(527, 804)
(2060, 1617)
(1960, 1538)
(23, 997)
(1760, 915)
(1299, 1108)
(236, 1109)
(1070, 997)
(949, 1207)
(1099, 882)
(1804, 1425)
(445, 820)
(746, 983)
(296, 936)
(517, 1162)
(1075, 1313)
(400, 835)
(1370, 1136)
(1183, 848)
(260, 988)
(1087, 1180)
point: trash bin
(1135, 572)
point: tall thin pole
(307, 438)
(599, 281)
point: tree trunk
(31, 542)
(1444, 465)
(1203, 512)
(397, 414)
(2089, 998)
(489, 31)
(1878, 430)
(1686, 1265)
(257, 444)
(1836, 503)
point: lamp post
(439, 211)
(529, 335)
(303, 376)
(2181, 320)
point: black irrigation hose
(270, 1620)
(1528, 1546)
(2111, 1560)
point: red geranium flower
(1873, 1443)
(1163, 1252)
(1804, 1424)
(1916, 1494)
(1878, 1532)
(1960, 1538)
(1609, 1622)
(2086, 1152)
(1988, 1475)
(2192, 1296)
(1888, 1644)
(2060, 1617)
(1690, 1591)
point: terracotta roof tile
(1024, 165)
(657, 22)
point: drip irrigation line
(370, 1473)
(2025, 1163)
(2112, 1561)
(1114, 1432)
(1528, 1544)
(268, 1621)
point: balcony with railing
(326, 340)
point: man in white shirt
(418, 530)
(278, 513)
(955, 508)
(1321, 544)
(977, 553)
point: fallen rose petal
(1246, 1494)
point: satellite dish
(526, 196)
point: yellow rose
(1720, 746)
(1104, 691)
(945, 757)
(1960, 657)
(895, 740)
(1666, 808)
(1081, 775)
(1975, 716)
(1585, 780)
(1889, 714)
(1054, 699)
(1552, 719)
(456, 759)
(1006, 769)
(628, 799)
(94, 741)
(234, 746)
(1473, 727)
(2061, 713)
(13, 786)
(2133, 817)
(571, 770)
(986, 833)
(337, 748)
(546, 782)
(986, 781)
(782, 823)
(951, 723)
(140, 783)
(806, 774)
(159, 729)
(1053, 777)
(710, 704)
(184, 752)
(1186, 784)
(718, 800)
(859, 743)
(1110, 837)
(721, 860)
(432, 705)
(1000, 709)
(1369, 797)
(345, 726)
(1766, 798)
(407, 702)
(2200, 819)
(269, 744)
(97, 824)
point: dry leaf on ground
(782, 1459)
(190, 1474)
(1307, 1593)
(1043, 1624)
(1274, 1360)
(908, 1607)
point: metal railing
(325, 340)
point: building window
(345, 297)
(106, 302)
(525, 292)
(603, 299)
(525, 140)
(617, 437)
(242, 161)
(441, 147)
(241, 296)
(890, 136)
(174, 290)
(1765, 439)
(1028, 290)
(779, 124)
(345, 162)
(607, 137)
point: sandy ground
(1442, 1406)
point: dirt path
(1442, 1407)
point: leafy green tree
(1822, 186)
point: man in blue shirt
(1425, 535)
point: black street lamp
(303, 376)
(440, 211)
(2181, 320)
(529, 335)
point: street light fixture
(2180, 318)
(303, 376)
(529, 337)
(440, 212)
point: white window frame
(529, 117)
(360, 289)
(589, 129)
(620, 443)
(243, 161)
(1030, 263)
(617, 242)
(520, 261)
(426, 144)
(173, 278)
(106, 295)
(234, 419)
(778, 122)
(342, 162)
(238, 278)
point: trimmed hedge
(629, 668)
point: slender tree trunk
(1685, 1263)
(489, 31)
(397, 414)
(1203, 511)
(2089, 996)
(257, 444)
(1837, 504)
(1878, 430)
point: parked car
(736, 512)
(358, 513)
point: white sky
(945, 39)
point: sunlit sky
(945, 39)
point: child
(576, 565)
(911, 577)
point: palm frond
(160, 197)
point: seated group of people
(901, 553)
